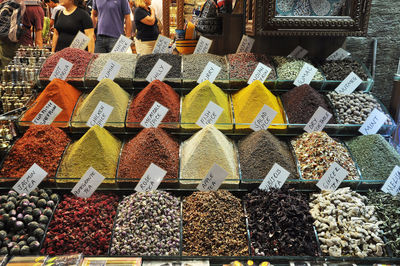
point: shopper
(32, 22)
(69, 22)
(109, 18)
(147, 29)
(55, 7)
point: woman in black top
(69, 22)
(147, 29)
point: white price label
(100, 114)
(30, 180)
(151, 179)
(155, 115)
(339, 54)
(298, 52)
(260, 73)
(203, 45)
(332, 178)
(80, 41)
(245, 45)
(318, 121)
(264, 118)
(88, 184)
(209, 73)
(61, 70)
(110, 70)
(349, 84)
(210, 114)
(374, 122)
(122, 45)
(305, 75)
(159, 71)
(213, 179)
(392, 184)
(275, 178)
(48, 113)
(162, 45)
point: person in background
(147, 29)
(69, 22)
(109, 17)
(158, 9)
(55, 7)
(32, 21)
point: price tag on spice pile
(203, 45)
(162, 44)
(100, 115)
(213, 179)
(209, 73)
(80, 41)
(318, 121)
(349, 84)
(88, 184)
(374, 122)
(48, 113)
(151, 179)
(30, 180)
(298, 52)
(122, 45)
(332, 178)
(275, 178)
(159, 71)
(245, 45)
(392, 184)
(305, 75)
(260, 73)
(337, 55)
(155, 115)
(61, 70)
(110, 70)
(264, 118)
(210, 115)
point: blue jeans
(104, 44)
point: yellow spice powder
(247, 103)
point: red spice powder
(41, 144)
(155, 91)
(82, 225)
(151, 145)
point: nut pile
(316, 152)
(147, 224)
(214, 225)
(339, 70)
(346, 226)
(288, 68)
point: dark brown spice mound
(339, 70)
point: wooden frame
(179, 16)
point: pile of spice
(242, 65)
(249, 101)
(98, 149)
(151, 145)
(148, 224)
(280, 223)
(214, 225)
(259, 151)
(41, 144)
(300, 104)
(339, 70)
(79, 58)
(24, 219)
(81, 225)
(196, 101)
(346, 226)
(108, 92)
(194, 64)
(387, 208)
(156, 91)
(146, 63)
(354, 108)
(375, 157)
(62, 94)
(316, 152)
(205, 148)
(289, 68)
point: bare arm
(150, 20)
(54, 41)
(90, 34)
(94, 18)
(39, 38)
(128, 24)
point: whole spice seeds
(147, 225)
(24, 219)
(259, 151)
(300, 104)
(316, 152)
(346, 226)
(280, 223)
(41, 144)
(354, 108)
(289, 68)
(146, 63)
(81, 225)
(339, 70)
(375, 157)
(387, 208)
(242, 65)
(214, 225)
(194, 64)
